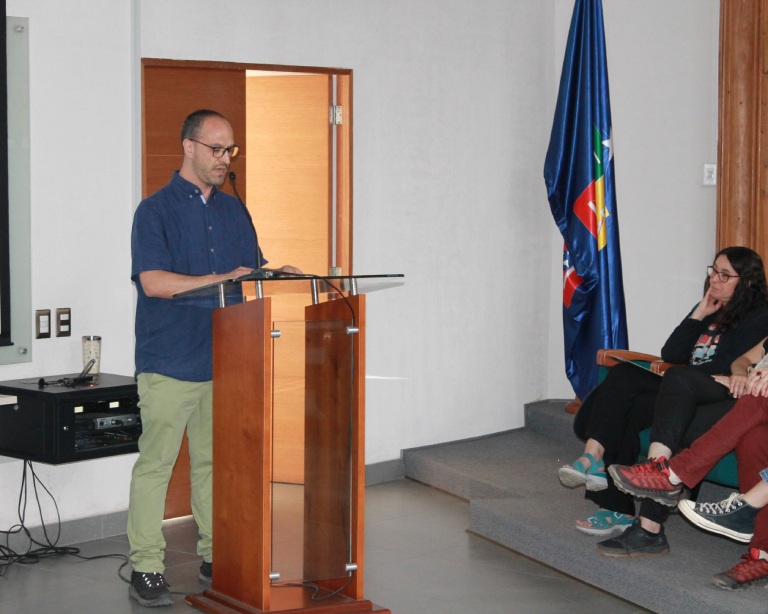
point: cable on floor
(36, 551)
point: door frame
(341, 210)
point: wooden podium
(289, 548)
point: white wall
(82, 177)
(453, 104)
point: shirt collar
(189, 189)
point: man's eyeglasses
(723, 277)
(218, 152)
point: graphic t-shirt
(706, 346)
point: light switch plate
(42, 324)
(710, 174)
(63, 322)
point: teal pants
(168, 406)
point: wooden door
(289, 172)
(169, 94)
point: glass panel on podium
(312, 447)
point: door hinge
(335, 115)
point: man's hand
(290, 269)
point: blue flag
(578, 172)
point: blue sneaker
(733, 517)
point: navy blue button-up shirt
(175, 230)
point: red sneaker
(649, 479)
(752, 571)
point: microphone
(233, 181)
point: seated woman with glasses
(730, 319)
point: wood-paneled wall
(743, 113)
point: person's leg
(693, 463)
(638, 417)
(752, 456)
(609, 404)
(200, 437)
(652, 515)
(615, 398)
(165, 409)
(635, 541)
(757, 496)
(682, 391)
(661, 480)
(752, 459)
(677, 406)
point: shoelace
(654, 465)
(722, 507)
(752, 556)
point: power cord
(48, 548)
(36, 551)
(315, 596)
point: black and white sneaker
(733, 517)
(150, 589)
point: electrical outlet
(63, 322)
(42, 324)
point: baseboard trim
(73, 531)
(386, 471)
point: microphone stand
(259, 255)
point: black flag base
(571, 407)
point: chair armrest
(660, 366)
(655, 364)
(604, 357)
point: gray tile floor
(419, 560)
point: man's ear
(186, 147)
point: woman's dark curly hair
(750, 292)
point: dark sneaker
(733, 517)
(752, 571)
(649, 480)
(206, 573)
(634, 542)
(150, 589)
